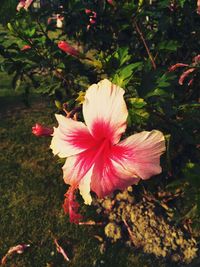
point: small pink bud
(88, 11)
(27, 4)
(67, 48)
(110, 2)
(21, 5)
(94, 15)
(92, 21)
(49, 20)
(25, 47)
(196, 59)
(24, 4)
(198, 7)
(177, 65)
(39, 130)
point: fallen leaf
(61, 250)
(90, 223)
(19, 249)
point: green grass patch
(32, 194)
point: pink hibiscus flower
(96, 160)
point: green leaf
(117, 80)
(191, 213)
(122, 55)
(29, 32)
(181, 3)
(127, 71)
(186, 107)
(58, 104)
(137, 102)
(191, 172)
(168, 45)
(124, 75)
(137, 111)
(157, 92)
(10, 27)
(138, 116)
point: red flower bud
(110, 2)
(92, 21)
(39, 130)
(25, 47)
(94, 15)
(198, 7)
(49, 20)
(177, 65)
(24, 4)
(196, 59)
(88, 11)
(184, 75)
(67, 48)
(21, 5)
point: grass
(6, 87)
(32, 192)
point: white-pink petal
(110, 172)
(142, 153)
(105, 111)
(76, 167)
(70, 137)
(84, 187)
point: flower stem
(145, 44)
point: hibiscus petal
(70, 137)
(110, 174)
(77, 166)
(105, 111)
(136, 157)
(84, 187)
(142, 153)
